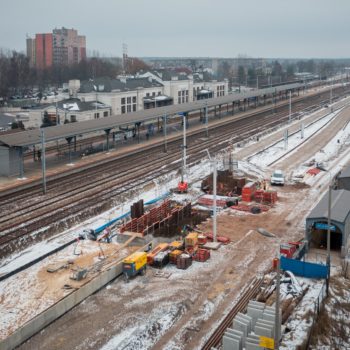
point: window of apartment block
(105, 114)
(129, 100)
(123, 101)
(147, 94)
(73, 118)
(153, 94)
(134, 107)
(123, 109)
(128, 108)
(179, 100)
(96, 115)
(134, 99)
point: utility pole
(329, 234)
(277, 304)
(184, 147)
(290, 106)
(165, 134)
(43, 159)
(213, 162)
(206, 119)
(214, 199)
(331, 93)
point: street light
(332, 186)
(278, 284)
(213, 162)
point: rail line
(250, 292)
(86, 199)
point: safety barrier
(304, 269)
(58, 309)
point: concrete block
(269, 326)
(269, 316)
(270, 309)
(266, 332)
(256, 304)
(254, 313)
(240, 326)
(245, 320)
(265, 322)
(253, 337)
(235, 332)
(230, 343)
(252, 346)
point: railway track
(97, 169)
(250, 292)
(90, 192)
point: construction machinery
(135, 264)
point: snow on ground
(142, 334)
(263, 159)
(298, 325)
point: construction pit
(179, 309)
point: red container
(202, 239)
(202, 255)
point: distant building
(66, 111)
(150, 90)
(61, 47)
(43, 50)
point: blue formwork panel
(304, 269)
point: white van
(277, 178)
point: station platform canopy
(53, 133)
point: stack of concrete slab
(246, 329)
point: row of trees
(275, 71)
(17, 76)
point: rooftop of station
(53, 133)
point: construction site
(234, 249)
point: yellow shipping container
(139, 258)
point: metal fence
(317, 308)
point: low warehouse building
(316, 222)
(343, 180)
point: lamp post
(332, 186)
(290, 106)
(213, 162)
(278, 297)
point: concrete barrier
(55, 311)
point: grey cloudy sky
(216, 28)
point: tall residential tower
(61, 47)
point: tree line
(275, 71)
(17, 77)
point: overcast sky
(216, 28)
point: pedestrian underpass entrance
(317, 221)
(318, 236)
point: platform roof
(340, 208)
(33, 137)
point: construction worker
(39, 155)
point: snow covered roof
(340, 207)
(32, 137)
(344, 179)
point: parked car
(277, 178)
